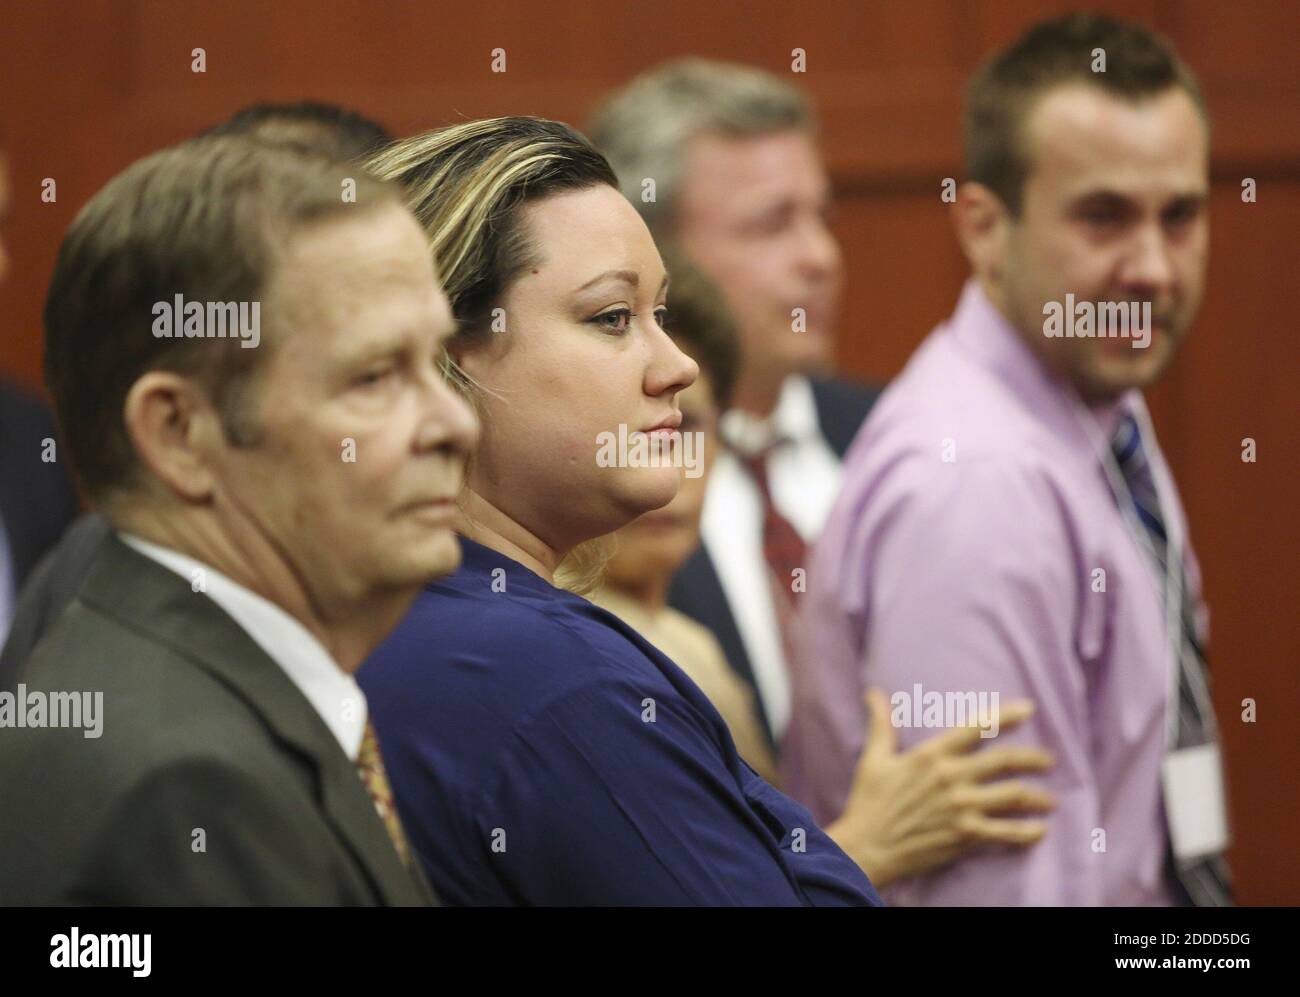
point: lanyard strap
(1172, 583)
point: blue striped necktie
(1206, 880)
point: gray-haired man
(272, 516)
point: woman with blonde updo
(541, 750)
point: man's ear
(983, 225)
(173, 426)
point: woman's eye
(372, 377)
(661, 316)
(621, 317)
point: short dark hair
(206, 219)
(1139, 63)
(334, 130)
(701, 324)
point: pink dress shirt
(962, 555)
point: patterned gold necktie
(370, 766)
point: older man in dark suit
(189, 730)
(37, 501)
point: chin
(431, 557)
(811, 353)
(1115, 378)
(1110, 367)
(645, 490)
(448, 552)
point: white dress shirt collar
(332, 692)
(793, 418)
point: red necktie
(783, 547)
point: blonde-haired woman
(542, 752)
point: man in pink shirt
(1008, 526)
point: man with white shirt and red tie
(1009, 526)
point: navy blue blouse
(542, 752)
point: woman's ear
(171, 425)
(475, 353)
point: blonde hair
(467, 184)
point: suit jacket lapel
(125, 584)
(697, 591)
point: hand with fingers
(913, 811)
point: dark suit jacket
(696, 590)
(37, 499)
(201, 732)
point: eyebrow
(370, 352)
(1106, 195)
(391, 345)
(630, 276)
(787, 200)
